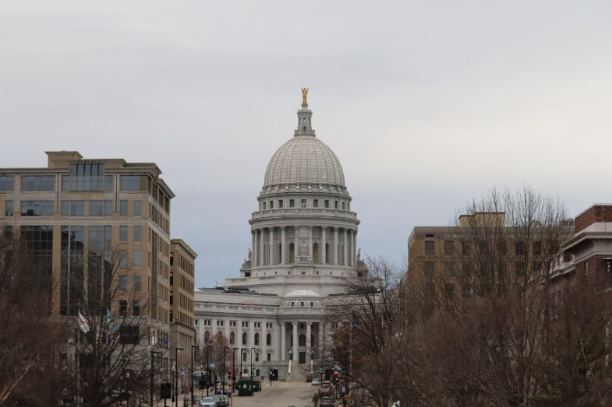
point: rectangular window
(537, 248)
(108, 208)
(429, 270)
(133, 183)
(84, 176)
(108, 183)
(520, 247)
(96, 208)
(335, 204)
(6, 183)
(136, 283)
(315, 203)
(263, 206)
(137, 233)
(280, 203)
(327, 203)
(123, 233)
(36, 208)
(8, 210)
(429, 247)
(123, 258)
(65, 208)
(343, 205)
(124, 208)
(122, 307)
(137, 258)
(449, 269)
(136, 308)
(65, 182)
(271, 204)
(129, 335)
(449, 291)
(77, 208)
(466, 248)
(303, 203)
(123, 282)
(38, 183)
(292, 203)
(449, 247)
(137, 208)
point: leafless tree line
(508, 336)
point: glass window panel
(96, 208)
(124, 208)
(123, 258)
(6, 183)
(38, 183)
(137, 258)
(36, 208)
(137, 233)
(133, 183)
(77, 208)
(108, 183)
(136, 284)
(65, 182)
(108, 208)
(137, 208)
(8, 211)
(123, 233)
(65, 208)
(123, 282)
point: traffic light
(165, 389)
(229, 374)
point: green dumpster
(245, 387)
(256, 385)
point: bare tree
(115, 332)
(217, 356)
(28, 333)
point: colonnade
(341, 240)
(280, 347)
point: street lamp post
(208, 369)
(127, 377)
(252, 362)
(153, 353)
(193, 348)
(65, 395)
(176, 374)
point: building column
(272, 259)
(254, 248)
(296, 340)
(323, 246)
(283, 246)
(261, 247)
(350, 248)
(213, 329)
(321, 344)
(238, 339)
(355, 247)
(335, 249)
(308, 342)
(283, 339)
(251, 345)
(345, 248)
(310, 250)
(276, 338)
(227, 330)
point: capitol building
(304, 247)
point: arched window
(269, 340)
(232, 338)
(244, 338)
(256, 339)
(315, 252)
(302, 340)
(206, 337)
(327, 253)
(291, 253)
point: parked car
(208, 402)
(315, 382)
(226, 400)
(218, 400)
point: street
(282, 394)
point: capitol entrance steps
(299, 372)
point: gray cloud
(426, 103)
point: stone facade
(304, 247)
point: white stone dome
(304, 160)
(302, 293)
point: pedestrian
(315, 399)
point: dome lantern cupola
(304, 118)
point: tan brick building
(182, 286)
(75, 207)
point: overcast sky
(426, 103)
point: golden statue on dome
(304, 96)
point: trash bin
(256, 385)
(245, 387)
